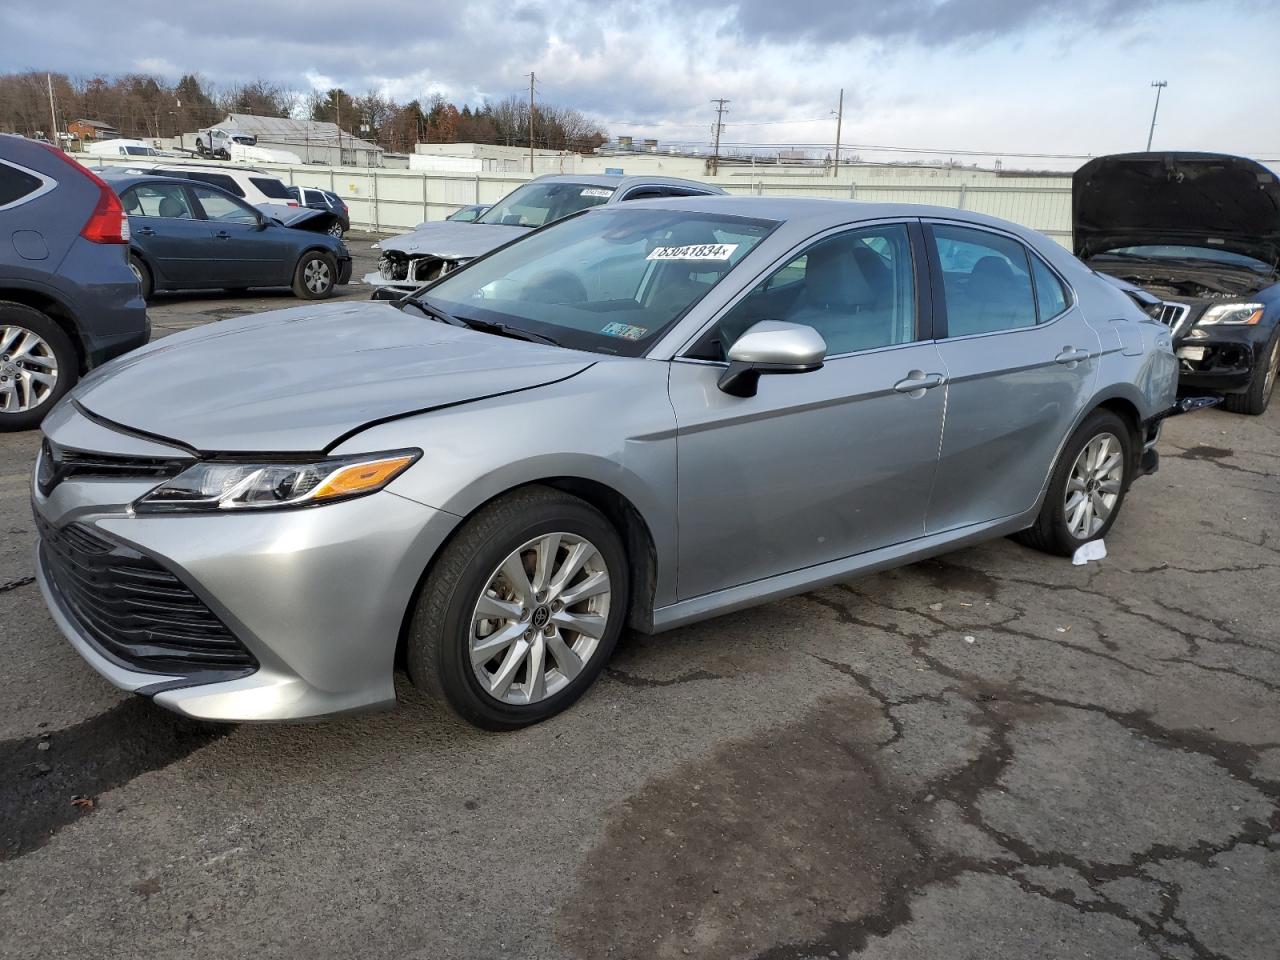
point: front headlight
(234, 485)
(1233, 313)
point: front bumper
(399, 287)
(344, 271)
(318, 596)
(1221, 361)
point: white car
(248, 183)
(121, 148)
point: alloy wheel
(28, 369)
(316, 276)
(336, 230)
(539, 618)
(1093, 488)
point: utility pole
(1159, 85)
(835, 170)
(53, 114)
(721, 110)
(531, 79)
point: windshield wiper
(432, 310)
(506, 330)
(484, 326)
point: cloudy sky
(1005, 76)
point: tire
(143, 273)
(24, 401)
(1262, 384)
(315, 275)
(336, 230)
(444, 627)
(1053, 532)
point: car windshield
(536, 204)
(1169, 251)
(610, 281)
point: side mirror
(771, 346)
(263, 222)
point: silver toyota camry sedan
(641, 416)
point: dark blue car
(67, 299)
(188, 235)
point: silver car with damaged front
(642, 416)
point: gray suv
(68, 300)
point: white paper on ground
(1093, 550)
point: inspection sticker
(597, 192)
(694, 251)
(624, 330)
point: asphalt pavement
(990, 755)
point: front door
(245, 254)
(816, 466)
(1021, 364)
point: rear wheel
(315, 275)
(1262, 385)
(521, 611)
(1087, 488)
(38, 365)
(336, 230)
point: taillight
(108, 222)
(293, 203)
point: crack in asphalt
(15, 584)
(998, 707)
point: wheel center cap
(540, 617)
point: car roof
(123, 181)
(622, 181)
(818, 213)
(212, 166)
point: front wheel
(315, 275)
(521, 611)
(37, 366)
(1087, 487)
(1262, 384)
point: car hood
(304, 218)
(303, 379)
(451, 240)
(1201, 199)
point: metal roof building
(315, 141)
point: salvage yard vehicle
(433, 249)
(248, 183)
(187, 235)
(644, 415)
(1201, 231)
(317, 199)
(68, 302)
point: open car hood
(453, 240)
(300, 380)
(1199, 199)
(302, 218)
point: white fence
(391, 201)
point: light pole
(1159, 85)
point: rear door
(1021, 365)
(245, 254)
(166, 228)
(822, 465)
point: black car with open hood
(1201, 231)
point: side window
(218, 180)
(1051, 296)
(986, 281)
(646, 193)
(157, 200)
(218, 206)
(270, 187)
(16, 184)
(857, 289)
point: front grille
(57, 464)
(135, 610)
(1172, 315)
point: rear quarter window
(16, 184)
(271, 187)
(216, 179)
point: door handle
(917, 382)
(146, 232)
(1072, 355)
(222, 235)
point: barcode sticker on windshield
(624, 330)
(694, 251)
(597, 192)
